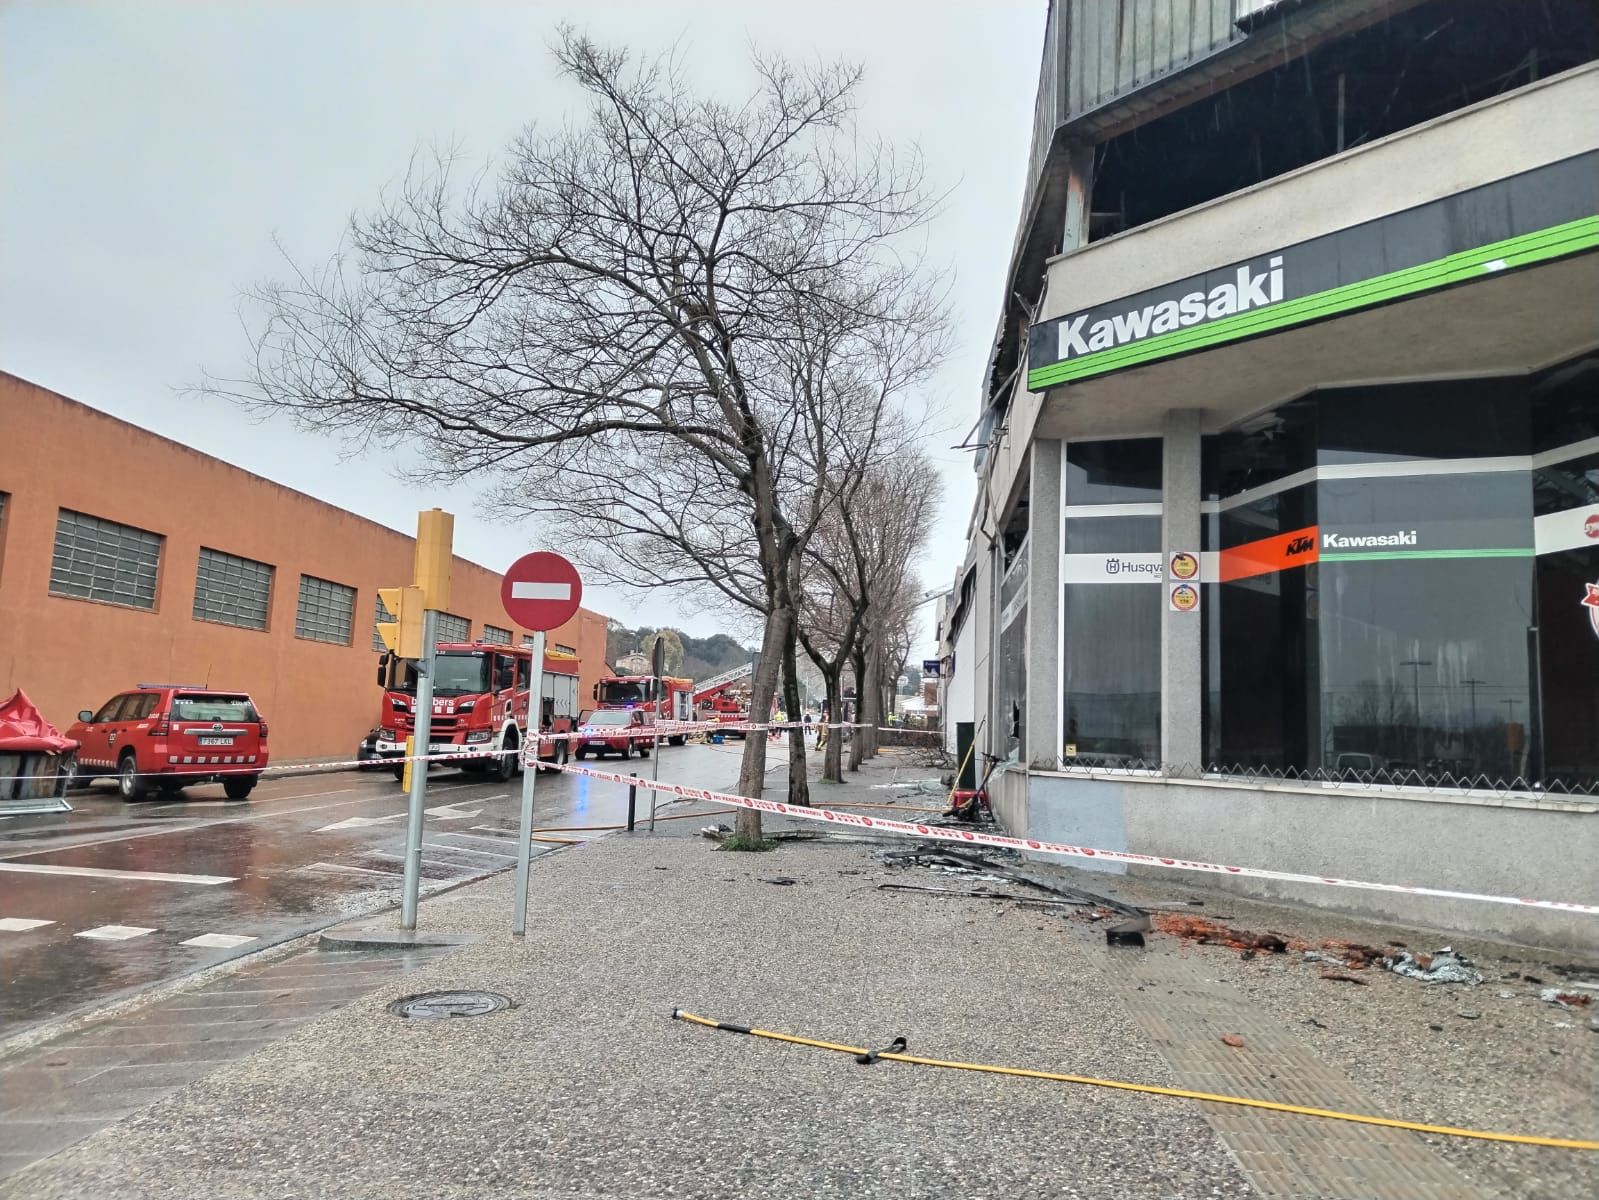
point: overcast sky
(154, 151)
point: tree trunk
(858, 659)
(799, 788)
(833, 753)
(872, 705)
(752, 771)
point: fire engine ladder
(716, 683)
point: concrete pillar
(1181, 694)
(1042, 731)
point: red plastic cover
(23, 729)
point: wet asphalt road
(304, 852)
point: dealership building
(129, 558)
(1286, 547)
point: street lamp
(1415, 664)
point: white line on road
(114, 933)
(218, 941)
(468, 850)
(502, 839)
(104, 873)
(360, 822)
(21, 924)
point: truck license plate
(216, 741)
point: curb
(391, 940)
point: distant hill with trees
(696, 658)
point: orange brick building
(126, 557)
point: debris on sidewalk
(1233, 1040)
(986, 894)
(1342, 977)
(1564, 999)
(1207, 932)
(717, 832)
(1441, 966)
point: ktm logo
(1300, 544)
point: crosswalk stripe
(114, 933)
(21, 924)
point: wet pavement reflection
(303, 853)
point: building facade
(127, 558)
(1286, 550)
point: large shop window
(1012, 707)
(1419, 601)
(1426, 622)
(1111, 599)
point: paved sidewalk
(588, 1088)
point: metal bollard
(632, 799)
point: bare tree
(614, 300)
(859, 591)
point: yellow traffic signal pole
(434, 535)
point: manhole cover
(429, 1006)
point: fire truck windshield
(623, 692)
(455, 673)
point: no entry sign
(541, 590)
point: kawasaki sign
(1530, 218)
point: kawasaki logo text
(1247, 291)
(1343, 541)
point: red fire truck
(638, 692)
(480, 703)
(718, 699)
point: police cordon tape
(939, 833)
(474, 752)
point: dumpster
(36, 762)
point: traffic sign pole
(530, 770)
(422, 723)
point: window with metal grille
(453, 628)
(232, 590)
(101, 560)
(498, 636)
(327, 611)
(380, 616)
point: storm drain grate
(430, 1006)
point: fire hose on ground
(895, 1053)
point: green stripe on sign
(1558, 241)
(1382, 555)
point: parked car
(613, 730)
(166, 736)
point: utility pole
(657, 667)
(1415, 665)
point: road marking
(21, 924)
(451, 812)
(360, 822)
(468, 850)
(218, 941)
(114, 933)
(341, 869)
(104, 873)
(502, 839)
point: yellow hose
(1179, 1093)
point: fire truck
(717, 699)
(638, 692)
(480, 705)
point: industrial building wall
(320, 697)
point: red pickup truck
(614, 730)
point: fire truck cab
(480, 705)
(637, 692)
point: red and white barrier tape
(474, 752)
(971, 837)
